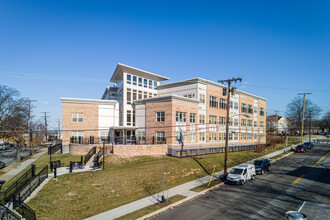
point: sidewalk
(10, 174)
(183, 189)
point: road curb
(159, 211)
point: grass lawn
(124, 180)
(150, 209)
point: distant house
(277, 124)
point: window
(243, 122)
(222, 136)
(192, 136)
(192, 118)
(160, 136)
(150, 95)
(160, 116)
(243, 136)
(145, 83)
(104, 135)
(249, 136)
(129, 117)
(213, 119)
(201, 119)
(155, 85)
(145, 95)
(134, 94)
(77, 135)
(235, 105)
(255, 124)
(212, 136)
(255, 136)
(222, 120)
(202, 98)
(230, 136)
(236, 136)
(223, 103)
(230, 121)
(129, 78)
(231, 104)
(134, 80)
(77, 117)
(129, 96)
(261, 123)
(262, 111)
(243, 108)
(184, 136)
(261, 136)
(201, 136)
(141, 136)
(236, 122)
(255, 109)
(180, 117)
(213, 102)
(250, 110)
(140, 94)
(249, 123)
(140, 81)
(150, 84)
(133, 118)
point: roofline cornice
(88, 101)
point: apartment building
(139, 109)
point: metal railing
(7, 214)
(98, 155)
(32, 184)
(89, 155)
(55, 148)
(25, 211)
(8, 194)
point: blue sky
(51, 49)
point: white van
(241, 173)
(4, 145)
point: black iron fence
(7, 214)
(89, 155)
(55, 148)
(31, 185)
(26, 212)
(8, 194)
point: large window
(231, 104)
(249, 136)
(134, 94)
(129, 78)
(250, 110)
(212, 136)
(77, 135)
(255, 124)
(213, 119)
(129, 117)
(140, 94)
(243, 136)
(160, 116)
(150, 84)
(230, 136)
(104, 134)
(249, 123)
(192, 118)
(223, 103)
(243, 122)
(134, 80)
(155, 85)
(222, 120)
(213, 102)
(202, 98)
(160, 136)
(129, 96)
(243, 108)
(261, 124)
(262, 111)
(184, 136)
(77, 117)
(140, 81)
(236, 122)
(255, 110)
(145, 95)
(235, 105)
(201, 136)
(192, 136)
(201, 119)
(180, 117)
(145, 83)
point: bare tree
(295, 110)
(13, 110)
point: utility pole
(303, 115)
(310, 124)
(229, 90)
(59, 129)
(29, 126)
(46, 125)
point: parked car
(262, 166)
(4, 145)
(309, 145)
(2, 165)
(300, 148)
(241, 173)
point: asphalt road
(269, 196)
(9, 156)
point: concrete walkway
(183, 189)
(10, 174)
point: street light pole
(303, 115)
(229, 90)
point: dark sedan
(300, 148)
(309, 145)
